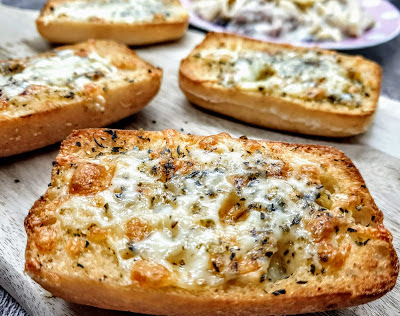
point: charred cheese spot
(137, 230)
(97, 201)
(252, 145)
(91, 89)
(97, 234)
(95, 19)
(278, 170)
(323, 225)
(155, 154)
(167, 169)
(159, 17)
(41, 219)
(32, 89)
(325, 200)
(233, 210)
(45, 238)
(81, 53)
(333, 256)
(90, 178)
(208, 143)
(312, 172)
(248, 265)
(4, 104)
(315, 94)
(150, 274)
(75, 246)
(32, 265)
(184, 167)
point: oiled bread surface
(305, 90)
(174, 224)
(90, 84)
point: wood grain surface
(25, 177)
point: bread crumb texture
(214, 218)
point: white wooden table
(25, 177)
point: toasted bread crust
(53, 119)
(282, 113)
(370, 270)
(66, 31)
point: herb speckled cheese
(188, 218)
(190, 210)
(44, 97)
(307, 75)
(304, 90)
(62, 72)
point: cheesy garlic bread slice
(174, 224)
(133, 22)
(303, 90)
(92, 84)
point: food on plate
(289, 20)
(172, 224)
(304, 90)
(133, 22)
(92, 84)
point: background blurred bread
(133, 22)
(304, 90)
(91, 84)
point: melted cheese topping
(309, 75)
(228, 218)
(65, 71)
(125, 11)
(64, 75)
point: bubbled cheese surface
(308, 75)
(230, 215)
(64, 71)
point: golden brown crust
(367, 271)
(39, 123)
(277, 112)
(144, 33)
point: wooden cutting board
(25, 177)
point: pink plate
(385, 14)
